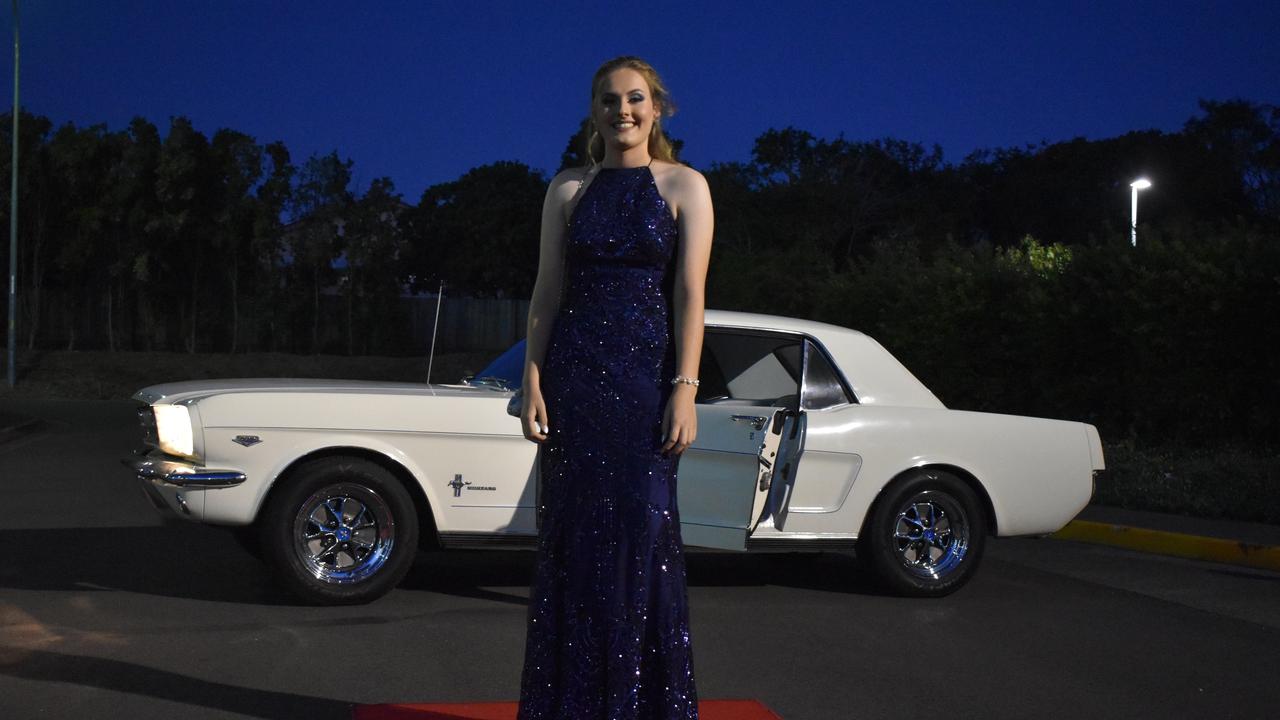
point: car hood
(176, 392)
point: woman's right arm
(544, 305)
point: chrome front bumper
(166, 482)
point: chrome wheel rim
(931, 535)
(343, 533)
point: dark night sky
(422, 91)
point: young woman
(614, 340)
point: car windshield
(507, 367)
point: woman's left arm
(696, 221)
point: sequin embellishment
(608, 625)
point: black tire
(340, 531)
(926, 534)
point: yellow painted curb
(1195, 547)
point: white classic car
(810, 437)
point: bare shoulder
(680, 184)
(678, 175)
(561, 189)
(567, 178)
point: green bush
(1231, 481)
(1166, 342)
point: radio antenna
(435, 326)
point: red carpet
(707, 710)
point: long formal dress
(608, 626)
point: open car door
(724, 477)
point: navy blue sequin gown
(608, 633)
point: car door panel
(724, 477)
(790, 450)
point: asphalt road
(105, 612)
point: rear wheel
(926, 534)
(341, 531)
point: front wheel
(926, 534)
(341, 531)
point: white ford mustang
(810, 437)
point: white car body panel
(477, 473)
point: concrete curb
(1160, 542)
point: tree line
(1005, 281)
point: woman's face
(624, 110)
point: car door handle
(757, 421)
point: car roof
(872, 372)
(738, 319)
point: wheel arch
(428, 536)
(963, 475)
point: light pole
(13, 216)
(1139, 184)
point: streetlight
(1139, 184)
(13, 216)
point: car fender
(279, 449)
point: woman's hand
(533, 415)
(680, 421)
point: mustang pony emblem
(457, 485)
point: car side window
(823, 387)
(745, 368)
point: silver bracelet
(686, 380)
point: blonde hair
(660, 147)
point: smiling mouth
(624, 125)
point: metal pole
(1133, 222)
(13, 217)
